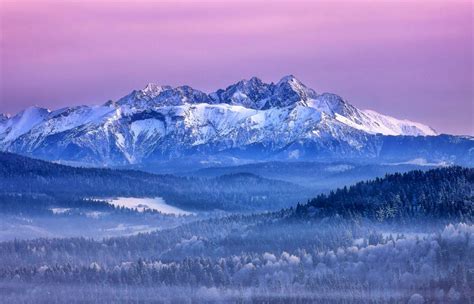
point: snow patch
(142, 204)
(421, 162)
(60, 210)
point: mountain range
(246, 122)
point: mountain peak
(35, 109)
(288, 78)
(293, 82)
(153, 89)
(255, 79)
(4, 117)
(289, 90)
(25, 120)
(248, 83)
(251, 93)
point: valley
(395, 238)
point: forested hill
(23, 175)
(443, 192)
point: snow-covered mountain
(250, 119)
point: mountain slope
(250, 119)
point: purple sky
(410, 59)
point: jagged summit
(256, 94)
(250, 93)
(163, 95)
(292, 82)
(161, 121)
(153, 90)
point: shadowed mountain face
(248, 121)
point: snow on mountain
(3, 118)
(256, 94)
(160, 122)
(251, 93)
(69, 118)
(378, 123)
(22, 123)
(154, 95)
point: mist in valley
(107, 236)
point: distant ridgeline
(441, 193)
(247, 121)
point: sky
(408, 59)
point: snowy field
(141, 204)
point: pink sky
(410, 59)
